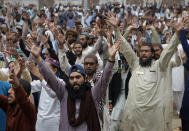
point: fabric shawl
(87, 113)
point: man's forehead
(82, 36)
(89, 59)
(77, 45)
(74, 74)
(145, 47)
(156, 46)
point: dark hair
(10, 63)
(60, 74)
(147, 44)
(26, 85)
(92, 56)
(92, 22)
(159, 45)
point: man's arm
(54, 83)
(64, 63)
(27, 107)
(99, 90)
(21, 97)
(49, 91)
(127, 51)
(127, 31)
(125, 48)
(168, 52)
(97, 45)
(35, 86)
(177, 60)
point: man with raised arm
(78, 100)
(144, 109)
(20, 112)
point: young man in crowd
(78, 100)
(20, 112)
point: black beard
(3, 32)
(78, 93)
(13, 104)
(145, 63)
(84, 46)
(17, 20)
(156, 57)
(91, 73)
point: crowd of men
(113, 67)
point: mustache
(76, 84)
(144, 56)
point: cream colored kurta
(145, 103)
(168, 92)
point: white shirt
(49, 107)
(178, 75)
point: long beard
(78, 93)
(145, 63)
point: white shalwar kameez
(48, 115)
(144, 109)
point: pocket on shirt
(150, 76)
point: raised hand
(34, 69)
(133, 26)
(34, 49)
(13, 79)
(61, 40)
(22, 63)
(182, 24)
(112, 20)
(45, 40)
(112, 49)
(34, 35)
(109, 37)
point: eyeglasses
(89, 63)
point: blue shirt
(184, 112)
(4, 87)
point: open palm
(112, 20)
(112, 49)
(34, 49)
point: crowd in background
(40, 50)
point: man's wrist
(111, 59)
(39, 59)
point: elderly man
(78, 100)
(145, 103)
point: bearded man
(78, 100)
(144, 109)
